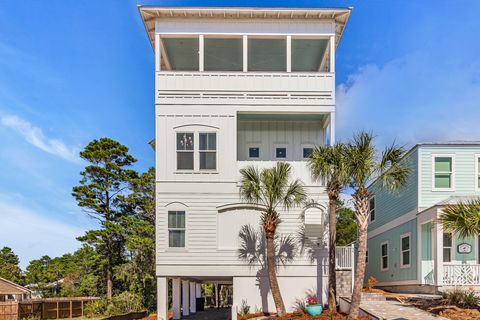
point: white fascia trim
(394, 223)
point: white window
(477, 172)
(371, 208)
(281, 152)
(185, 143)
(405, 250)
(176, 229)
(384, 256)
(447, 246)
(443, 177)
(208, 151)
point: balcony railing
(299, 170)
(461, 274)
(245, 88)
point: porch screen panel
(267, 54)
(182, 53)
(223, 54)
(307, 54)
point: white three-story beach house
(236, 87)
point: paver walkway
(394, 310)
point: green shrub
(462, 298)
(96, 308)
(126, 302)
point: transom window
(281, 153)
(371, 206)
(176, 229)
(405, 251)
(208, 151)
(185, 146)
(384, 257)
(443, 172)
(447, 246)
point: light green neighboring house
(407, 248)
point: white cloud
(32, 235)
(420, 97)
(34, 136)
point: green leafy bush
(462, 298)
(125, 302)
(96, 308)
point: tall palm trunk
(272, 276)
(361, 199)
(332, 276)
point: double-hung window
(443, 173)
(176, 229)
(208, 151)
(371, 207)
(447, 246)
(384, 257)
(405, 250)
(185, 145)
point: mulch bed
(448, 311)
(326, 315)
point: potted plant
(313, 307)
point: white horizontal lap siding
(201, 235)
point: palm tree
(462, 218)
(270, 189)
(329, 162)
(385, 171)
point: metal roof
(150, 13)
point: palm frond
(361, 158)
(393, 172)
(295, 194)
(462, 218)
(250, 185)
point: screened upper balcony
(210, 53)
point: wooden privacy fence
(48, 308)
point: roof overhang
(150, 14)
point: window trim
(168, 248)
(409, 236)
(452, 182)
(452, 248)
(477, 172)
(280, 145)
(374, 209)
(381, 256)
(208, 151)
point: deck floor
(210, 314)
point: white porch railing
(345, 257)
(461, 274)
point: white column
(289, 53)
(162, 298)
(199, 290)
(200, 52)
(332, 53)
(193, 296)
(245, 53)
(176, 298)
(332, 128)
(157, 52)
(438, 252)
(185, 298)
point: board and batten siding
(464, 167)
(266, 135)
(391, 205)
(394, 272)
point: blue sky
(72, 71)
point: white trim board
(394, 223)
